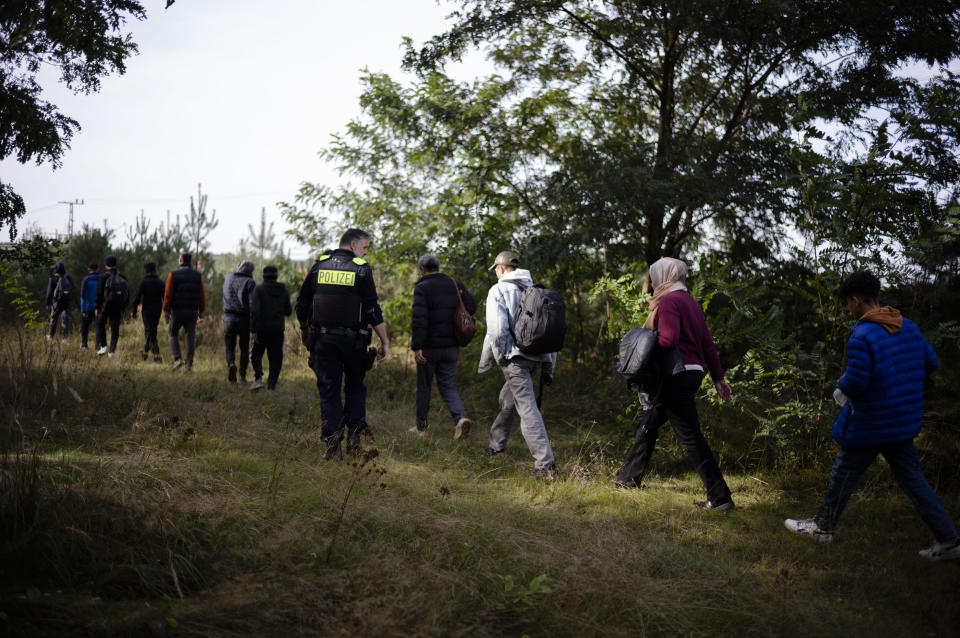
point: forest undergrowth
(138, 500)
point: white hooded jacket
(498, 344)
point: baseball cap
(506, 258)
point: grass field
(141, 501)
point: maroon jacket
(681, 323)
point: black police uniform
(338, 301)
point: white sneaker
(942, 551)
(417, 431)
(102, 351)
(110, 354)
(808, 527)
(256, 385)
(462, 430)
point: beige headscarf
(666, 274)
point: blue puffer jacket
(884, 382)
(88, 292)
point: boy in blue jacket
(88, 304)
(881, 399)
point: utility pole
(76, 202)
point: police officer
(336, 305)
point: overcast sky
(238, 95)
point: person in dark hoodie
(88, 305)
(269, 306)
(237, 288)
(150, 295)
(59, 300)
(435, 300)
(113, 295)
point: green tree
(84, 41)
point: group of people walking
(251, 313)
(880, 393)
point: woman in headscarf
(680, 323)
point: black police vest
(336, 293)
(187, 289)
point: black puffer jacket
(269, 304)
(434, 304)
(150, 294)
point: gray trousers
(518, 396)
(186, 319)
(441, 362)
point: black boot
(354, 432)
(333, 452)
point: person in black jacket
(113, 295)
(237, 288)
(59, 300)
(269, 305)
(435, 348)
(150, 295)
(184, 300)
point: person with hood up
(499, 349)
(59, 299)
(113, 295)
(237, 288)
(150, 295)
(88, 305)
(269, 307)
(881, 411)
(683, 331)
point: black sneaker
(353, 439)
(491, 452)
(333, 451)
(232, 374)
(548, 473)
(628, 484)
(717, 506)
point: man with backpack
(184, 301)
(237, 288)
(269, 308)
(59, 300)
(150, 295)
(501, 347)
(88, 305)
(436, 298)
(113, 295)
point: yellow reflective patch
(360, 262)
(336, 277)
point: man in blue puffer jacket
(881, 399)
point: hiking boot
(417, 431)
(548, 473)
(102, 351)
(717, 506)
(491, 452)
(256, 385)
(333, 452)
(942, 551)
(626, 484)
(808, 527)
(177, 363)
(353, 440)
(462, 430)
(232, 374)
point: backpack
(642, 363)
(540, 322)
(64, 288)
(116, 289)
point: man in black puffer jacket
(269, 306)
(433, 343)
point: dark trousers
(186, 319)
(272, 343)
(111, 316)
(87, 319)
(441, 362)
(339, 359)
(677, 404)
(150, 322)
(852, 462)
(60, 315)
(232, 332)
